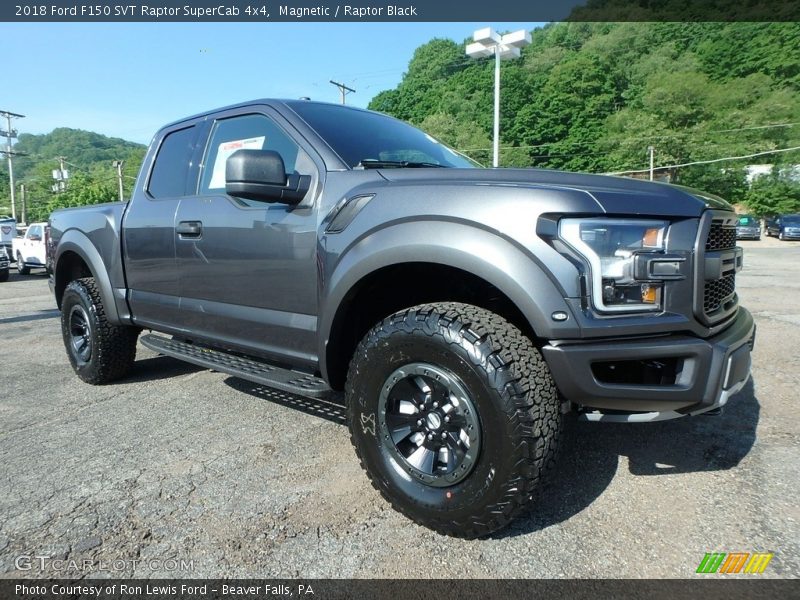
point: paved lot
(182, 463)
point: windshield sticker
(224, 150)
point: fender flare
(496, 260)
(77, 242)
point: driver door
(247, 268)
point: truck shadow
(156, 368)
(591, 452)
(39, 315)
(591, 455)
(330, 408)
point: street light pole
(488, 42)
(496, 141)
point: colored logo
(6, 229)
(734, 562)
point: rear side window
(168, 178)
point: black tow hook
(713, 413)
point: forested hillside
(594, 97)
(88, 158)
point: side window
(246, 132)
(168, 178)
(34, 231)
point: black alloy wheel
(429, 423)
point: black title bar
(262, 11)
(396, 589)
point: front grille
(717, 292)
(716, 298)
(720, 237)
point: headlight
(610, 246)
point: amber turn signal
(650, 238)
(649, 294)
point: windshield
(791, 220)
(368, 140)
(747, 221)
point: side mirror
(261, 175)
(35, 238)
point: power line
(638, 139)
(707, 162)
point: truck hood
(614, 195)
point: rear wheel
(454, 416)
(98, 351)
(21, 268)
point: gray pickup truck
(464, 311)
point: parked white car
(30, 249)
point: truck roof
(267, 101)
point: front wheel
(781, 236)
(454, 416)
(98, 351)
(4, 275)
(21, 268)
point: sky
(128, 79)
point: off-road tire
(113, 347)
(513, 394)
(21, 268)
(4, 274)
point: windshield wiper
(374, 163)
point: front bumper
(748, 234)
(791, 235)
(707, 373)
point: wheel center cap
(433, 420)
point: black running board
(285, 380)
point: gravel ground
(178, 464)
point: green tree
(729, 183)
(594, 96)
(567, 115)
(774, 194)
(464, 136)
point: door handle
(189, 229)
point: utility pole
(117, 164)
(651, 150)
(22, 201)
(10, 134)
(343, 89)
